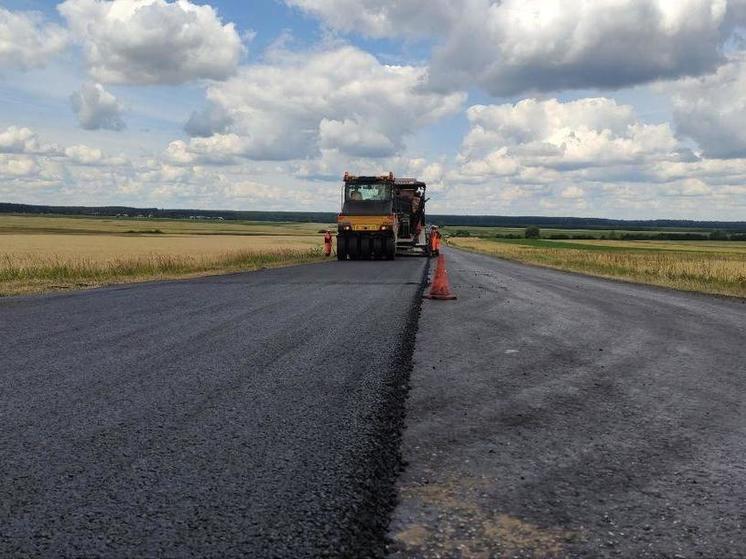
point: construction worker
(435, 240)
(327, 243)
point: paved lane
(556, 415)
(246, 415)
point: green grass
(485, 232)
(546, 243)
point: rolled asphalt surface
(252, 415)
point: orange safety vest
(327, 243)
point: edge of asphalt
(378, 489)
(385, 455)
(148, 281)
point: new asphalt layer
(558, 415)
(252, 415)
(260, 415)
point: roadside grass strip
(21, 274)
(711, 271)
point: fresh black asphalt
(556, 415)
(252, 415)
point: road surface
(260, 414)
(557, 415)
(250, 415)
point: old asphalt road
(249, 415)
(556, 415)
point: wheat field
(33, 260)
(684, 246)
(717, 270)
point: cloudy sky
(607, 108)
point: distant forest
(327, 217)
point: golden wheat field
(41, 253)
(714, 269)
(685, 246)
(67, 225)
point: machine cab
(368, 196)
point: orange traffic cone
(439, 288)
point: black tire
(353, 247)
(390, 248)
(341, 248)
(365, 247)
(378, 247)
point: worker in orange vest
(435, 240)
(327, 243)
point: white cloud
(340, 98)
(218, 149)
(86, 155)
(687, 187)
(572, 192)
(18, 166)
(593, 132)
(19, 141)
(214, 119)
(96, 108)
(589, 156)
(16, 139)
(153, 41)
(354, 138)
(712, 110)
(27, 41)
(715, 171)
(515, 46)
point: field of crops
(42, 253)
(66, 225)
(546, 232)
(49, 253)
(709, 267)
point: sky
(632, 109)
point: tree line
(692, 226)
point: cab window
(368, 192)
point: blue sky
(599, 108)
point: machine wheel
(390, 248)
(353, 248)
(341, 248)
(365, 247)
(378, 247)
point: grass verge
(25, 274)
(722, 273)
